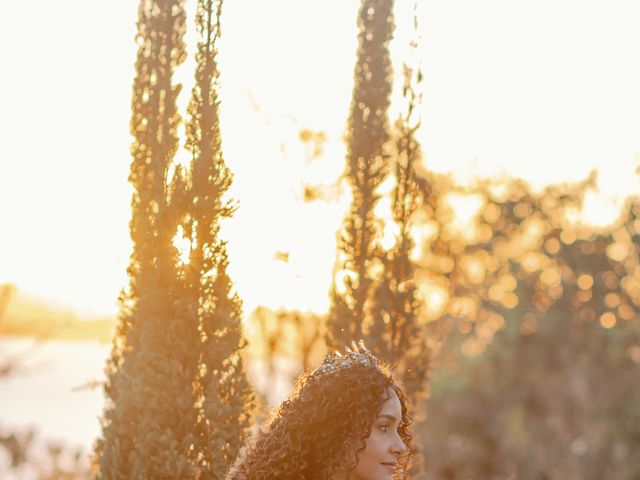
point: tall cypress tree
(367, 167)
(149, 420)
(396, 332)
(225, 396)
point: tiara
(357, 354)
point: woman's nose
(399, 446)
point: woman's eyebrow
(390, 417)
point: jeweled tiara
(357, 354)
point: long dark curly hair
(328, 416)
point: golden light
(510, 300)
(491, 213)
(533, 261)
(465, 210)
(533, 229)
(631, 285)
(508, 247)
(462, 307)
(626, 312)
(496, 292)
(522, 210)
(508, 282)
(599, 210)
(276, 112)
(568, 236)
(585, 281)
(382, 210)
(474, 268)
(612, 300)
(422, 233)
(390, 234)
(484, 233)
(550, 276)
(434, 298)
(618, 251)
(608, 320)
(67, 220)
(552, 246)
(183, 245)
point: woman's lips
(391, 465)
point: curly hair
(313, 434)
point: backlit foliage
(546, 314)
(397, 332)
(178, 398)
(367, 167)
(224, 394)
(470, 264)
(288, 334)
(149, 418)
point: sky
(542, 90)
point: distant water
(45, 392)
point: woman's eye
(384, 428)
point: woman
(345, 420)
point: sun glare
(434, 298)
(183, 245)
(465, 210)
(471, 122)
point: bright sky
(545, 90)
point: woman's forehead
(391, 406)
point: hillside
(26, 315)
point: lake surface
(46, 392)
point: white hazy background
(543, 90)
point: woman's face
(384, 446)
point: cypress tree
(225, 396)
(149, 419)
(367, 134)
(396, 332)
